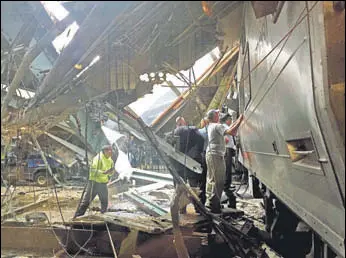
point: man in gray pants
(101, 169)
(215, 158)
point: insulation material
(122, 164)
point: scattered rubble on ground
(158, 198)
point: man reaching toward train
(215, 158)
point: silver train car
(291, 86)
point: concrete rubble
(124, 215)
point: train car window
(246, 78)
(303, 154)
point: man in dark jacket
(190, 143)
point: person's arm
(232, 130)
(200, 141)
(110, 171)
(226, 140)
(96, 165)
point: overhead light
(144, 77)
(78, 66)
(61, 41)
(152, 75)
(207, 8)
(55, 10)
(235, 95)
(96, 59)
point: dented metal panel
(286, 104)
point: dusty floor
(69, 198)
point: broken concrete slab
(36, 217)
(159, 194)
(145, 205)
(150, 187)
(24, 209)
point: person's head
(213, 115)
(225, 118)
(107, 150)
(204, 122)
(180, 121)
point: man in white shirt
(226, 120)
(215, 158)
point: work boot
(213, 210)
(232, 203)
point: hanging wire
(298, 22)
(63, 246)
(81, 247)
(90, 200)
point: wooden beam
(23, 209)
(28, 58)
(84, 41)
(222, 90)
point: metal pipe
(44, 159)
(178, 237)
(278, 11)
(29, 57)
(83, 40)
(111, 240)
(238, 236)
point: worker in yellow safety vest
(101, 169)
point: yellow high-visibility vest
(99, 165)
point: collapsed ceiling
(130, 38)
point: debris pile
(139, 216)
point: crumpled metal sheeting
(140, 223)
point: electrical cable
(286, 38)
(286, 41)
(63, 246)
(4, 181)
(90, 200)
(51, 227)
(85, 188)
(58, 203)
(299, 21)
(93, 47)
(238, 244)
(16, 176)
